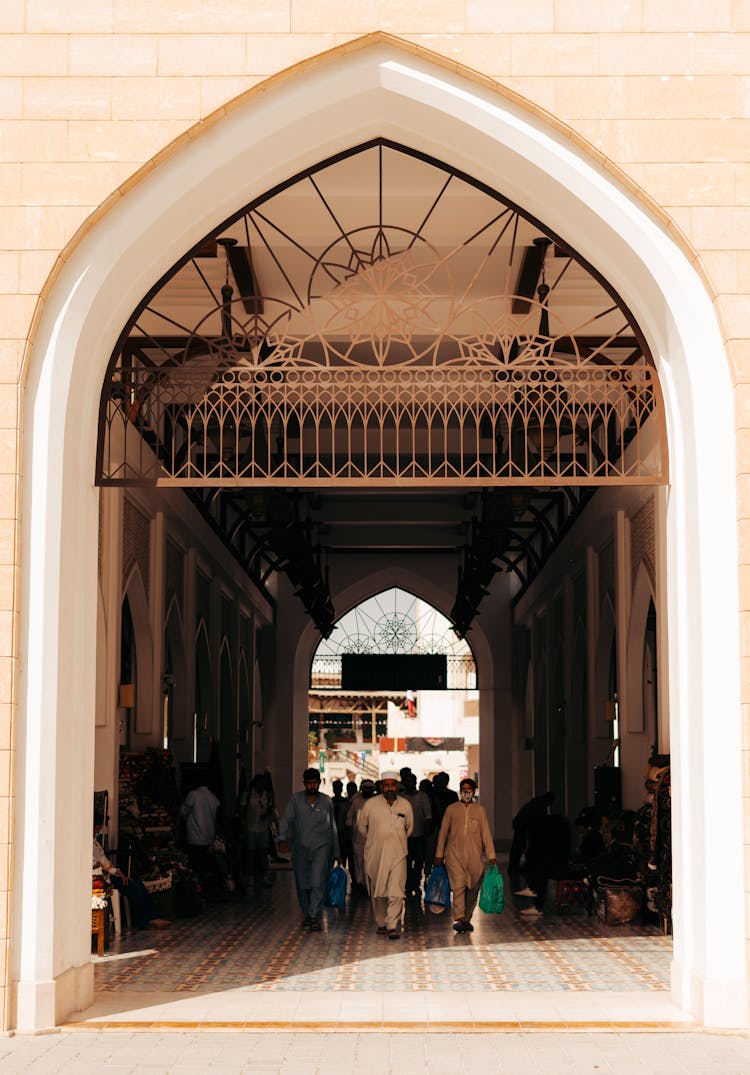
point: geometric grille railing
(559, 422)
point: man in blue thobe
(308, 826)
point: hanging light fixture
(227, 293)
(542, 339)
(540, 343)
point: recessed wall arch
(557, 764)
(541, 722)
(577, 724)
(603, 670)
(381, 89)
(175, 671)
(134, 592)
(227, 726)
(205, 695)
(639, 726)
(643, 597)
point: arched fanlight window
(394, 621)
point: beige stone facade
(92, 92)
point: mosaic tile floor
(256, 944)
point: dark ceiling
(303, 532)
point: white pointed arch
(351, 95)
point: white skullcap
(391, 775)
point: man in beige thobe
(386, 822)
(464, 836)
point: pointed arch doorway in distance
(376, 88)
(437, 591)
(393, 686)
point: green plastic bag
(492, 896)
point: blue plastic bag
(437, 893)
(336, 883)
(492, 896)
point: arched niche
(376, 87)
(639, 724)
(143, 720)
(257, 735)
(541, 723)
(642, 607)
(204, 716)
(244, 715)
(227, 728)
(102, 715)
(606, 678)
(579, 776)
(175, 683)
(557, 717)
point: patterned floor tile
(256, 943)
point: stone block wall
(91, 90)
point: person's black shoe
(394, 934)
(381, 930)
(468, 928)
(459, 927)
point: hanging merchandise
(149, 801)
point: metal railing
(554, 423)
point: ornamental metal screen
(393, 621)
(381, 319)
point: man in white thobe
(386, 822)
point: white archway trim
(386, 91)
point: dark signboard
(394, 672)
